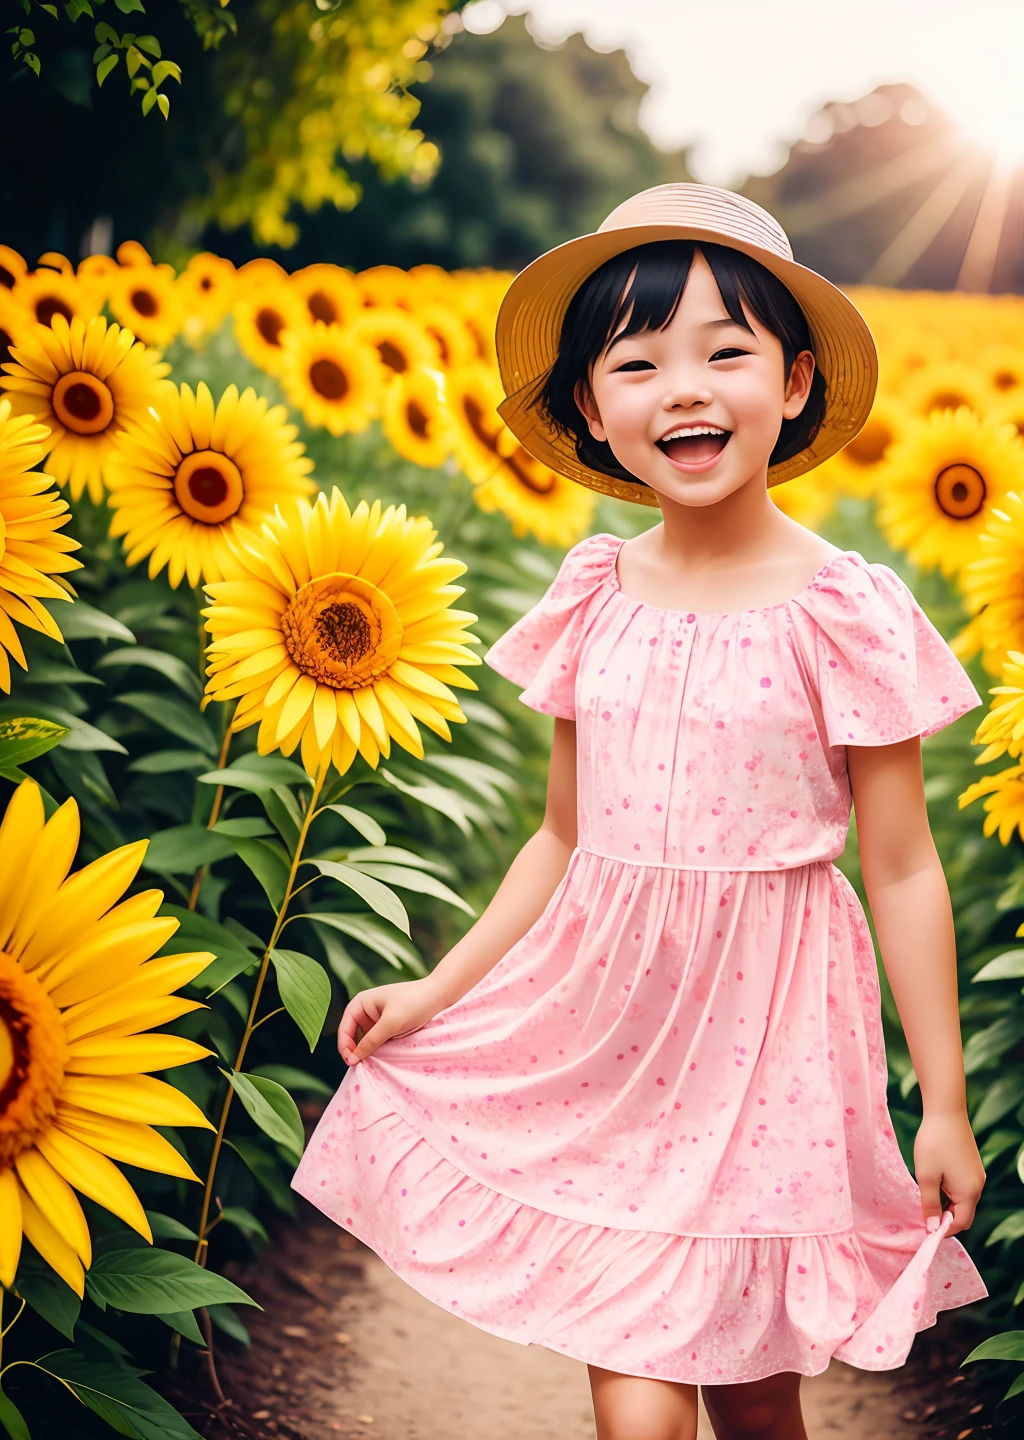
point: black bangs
(600, 312)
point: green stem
(218, 800)
(251, 1022)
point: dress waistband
(724, 869)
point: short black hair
(662, 267)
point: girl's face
(695, 409)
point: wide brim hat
(531, 314)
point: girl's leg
(632, 1407)
(766, 1409)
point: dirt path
(345, 1348)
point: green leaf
(200, 933)
(1008, 966)
(155, 1282)
(484, 780)
(84, 622)
(116, 1393)
(172, 715)
(12, 1419)
(84, 775)
(150, 44)
(394, 855)
(987, 1045)
(282, 808)
(104, 68)
(166, 1227)
(169, 762)
(171, 667)
(258, 773)
(1015, 1388)
(1012, 1228)
(406, 878)
(268, 863)
(245, 1221)
(183, 848)
(47, 1294)
(365, 825)
(266, 1171)
(149, 98)
(107, 33)
(184, 1321)
(294, 1079)
(352, 976)
(162, 103)
(999, 1099)
(126, 7)
(225, 1319)
(447, 802)
(272, 1108)
(80, 737)
(379, 897)
(1007, 1346)
(245, 827)
(382, 942)
(166, 70)
(305, 990)
(26, 738)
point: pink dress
(654, 1136)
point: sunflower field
(250, 765)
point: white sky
(739, 78)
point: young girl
(638, 1113)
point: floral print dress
(654, 1136)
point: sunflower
(537, 500)
(255, 274)
(939, 485)
(12, 267)
(340, 636)
(1004, 809)
(416, 419)
(855, 469)
(145, 299)
(187, 477)
(33, 557)
(385, 287)
(1002, 366)
(45, 293)
(83, 381)
(95, 275)
(1010, 409)
(481, 437)
(399, 340)
(337, 381)
(78, 989)
(1001, 731)
(992, 589)
(264, 319)
(206, 288)
(456, 344)
(947, 385)
(329, 293)
(14, 321)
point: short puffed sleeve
(541, 651)
(884, 672)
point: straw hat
(531, 315)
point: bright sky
(739, 78)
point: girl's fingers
(355, 1018)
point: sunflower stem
(218, 800)
(251, 1022)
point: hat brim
(530, 321)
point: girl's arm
(520, 900)
(910, 905)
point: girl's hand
(382, 1012)
(945, 1153)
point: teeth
(685, 430)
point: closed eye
(729, 353)
(635, 365)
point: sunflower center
(342, 631)
(47, 306)
(960, 491)
(530, 475)
(328, 379)
(322, 307)
(145, 303)
(206, 283)
(33, 1053)
(392, 356)
(6, 278)
(82, 403)
(870, 445)
(270, 324)
(208, 487)
(947, 400)
(417, 419)
(474, 413)
(1005, 379)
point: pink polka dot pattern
(654, 1136)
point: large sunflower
(33, 556)
(337, 381)
(77, 990)
(537, 500)
(45, 293)
(85, 382)
(416, 419)
(939, 486)
(947, 385)
(145, 299)
(992, 589)
(856, 467)
(265, 316)
(189, 475)
(340, 636)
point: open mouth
(694, 446)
